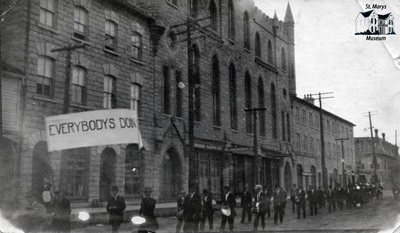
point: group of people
(195, 209)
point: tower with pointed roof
(288, 23)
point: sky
(362, 75)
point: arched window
(195, 53)
(270, 53)
(283, 59)
(258, 45)
(248, 104)
(246, 26)
(261, 104)
(232, 96)
(213, 16)
(134, 171)
(166, 90)
(288, 125)
(273, 112)
(216, 91)
(231, 20)
(107, 172)
(171, 173)
(283, 122)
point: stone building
(387, 160)
(134, 57)
(307, 145)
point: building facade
(339, 158)
(387, 160)
(370, 22)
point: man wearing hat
(279, 204)
(115, 207)
(192, 211)
(261, 205)
(228, 204)
(246, 200)
(147, 207)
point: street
(378, 216)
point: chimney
(309, 99)
(383, 136)
(376, 133)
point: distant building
(387, 157)
(371, 23)
(307, 145)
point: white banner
(93, 128)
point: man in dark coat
(321, 198)
(340, 196)
(261, 205)
(279, 204)
(147, 208)
(62, 211)
(300, 199)
(115, 207)
(331, 198)
(192, 211)
(180, 200)
(246, 200)
(228, 200)
(293, 192)
(313, 201)
(207, 211)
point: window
(193, 4)
(310, 119)
(213, 16)
(133, 171)
(329, 149)
(47, 12)
(317, 146)
(74, 173)
(258, 45)
(303, 119)
(273, 113)
(283, 122)
(297, 114)
(248, 104)
(288, 127)
(283, 59)
(45, 72)
(195, 53)
(179, 95)
(232, 96)
(231, 20)
(261, 104)
(270, 53)
(111, 35)
(328, 126)
(304, 143)
(80, 23)
(216, 92)
(78, 89)
(298, 141)
(109, 96)
(246, 25)
(166, 90)
(137, 40)
(135, 98)
(311, 145)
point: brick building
(307, 145)
(133, 58)
(387, 158)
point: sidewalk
(363, 219)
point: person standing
(207, 211)
(246, 202)
(147, 207)
(115, 208)
(228, 201)
(331, 198)
(179, 215)
(268, 195)
(279, 204)
(293, 192)
(192, 211)
(300, 199)
(313, 201)
(62, 211)
(340, 197)
(260, 207)
(320, 197)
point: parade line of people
(194, 209)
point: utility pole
(343, 173)
(256, 160)
(67, 88)
(322, 137)
(374, 177)
(191, 25)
